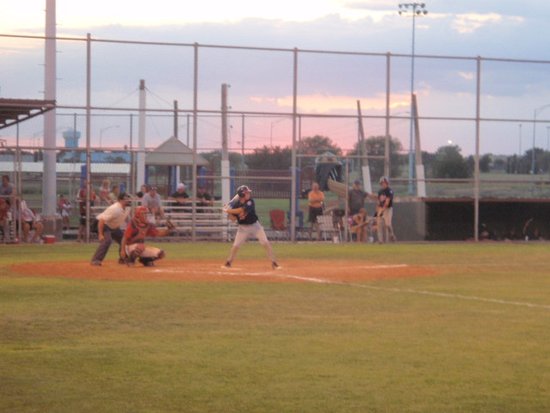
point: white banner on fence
(367, 185)
(420, 182)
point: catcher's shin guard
(131, 259)
(147, 261)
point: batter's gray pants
(246, 231)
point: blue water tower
(71, 137)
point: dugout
(445, 219)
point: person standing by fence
(384, 211)
(316, 200)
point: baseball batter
(243, 210)
(133, 241)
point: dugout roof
(173, 152)
(13, 111)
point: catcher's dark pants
(109, 236)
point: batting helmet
(242, 190)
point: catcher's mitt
(170, 225)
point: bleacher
(210, 222)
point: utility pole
(140, 168)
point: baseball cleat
(96, 263)
(227, 265)
(275, 266)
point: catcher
(133, 242)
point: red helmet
(140, 216)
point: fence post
(476, 163)
(387, 166)
(195, 120)
(88, 130)
(294, 126)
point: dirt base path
(242, 270)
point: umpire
(108, 228)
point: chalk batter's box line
(400, 290)
(236, 271)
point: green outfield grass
(473, 339)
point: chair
(278, 222)
(326, 226)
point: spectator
(29, 221)
(64, 206)
(384, 211)
(104, 193)
(356, 198)
(4, 219)
(81, 199)
(113, 195)
(181, 197)
(204, 199)
(6, 189)
(316, 199)
(144, 189)
(152, 201)
(359, 225)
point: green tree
(541, 164)
(376, 147)
(268, 157)
(449, 163)
(236, 160)
(485, 162)
(316, 145)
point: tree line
(446, 162)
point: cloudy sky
(262, 81)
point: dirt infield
(211, 271)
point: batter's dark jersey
(249, 208)
(384, 194)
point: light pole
(415, 9)
(103, 130)
(519, 153)
(547, 138)
(535, 114)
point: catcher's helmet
(242, 190)
(140, 216)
